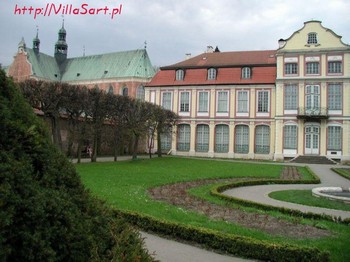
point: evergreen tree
(46, 213)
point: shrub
(46, 214)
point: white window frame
(202, 138)
(222, 138)
(246, 73)
(183, 137)
(335, 98)
(180, 75)
(212, 73)
(335, 67)
(262, 106)
(312, 68)
(262, 139)
(334, 138)
(202, 107)
(225, 111)
(242, 139)
(240, 111)
(290, 99)
(291, 69)
(166, 102)
(184, 110)
(290, 139)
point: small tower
(22, 46)
(36, 42)
(61, 46)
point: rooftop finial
(145, 44)
(37, 31)
(62, 21)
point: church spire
(36, 41)
(61, 47)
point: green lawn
(124, 186)
(305, 197)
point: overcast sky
(171, 28)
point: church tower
(36, 42)
(61, 46)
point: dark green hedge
(217, 191)
(46, 214)
(235, 245)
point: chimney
(210, 49)
(281, 43)
(188, 55)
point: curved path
(260, 194)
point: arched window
(290, 137)
(111, 89)
(125, 91)
(242, 139)
(211, 74)
(140, 93)
(246, 72)
(166, 139)
(180, 74)
(202, 138)
(221, 138)
(262, 139)
(184, 137)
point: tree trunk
(115, 145)
(136, 145)
(94, 148)
(56, 133)
(79, 151)
(159, 145)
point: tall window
(312, 97)
(221, 138)
(290, 68)
(166, 100)
(262, 139)
(263, 101)
(335, 67)
(125, 91)
(180, 73)
(184, 137)
(313, 68)
(335, 97)
(290, 137)
(166, 141)
(246, 72)
(203, 101)
(312, 38)
(334, 138)
(202, 138)
(242, 139)
(185, 102)
(110, 89)
(211, 74)
(222, 101)
(290, 97)
(242, 102)
(140, 93)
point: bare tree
(46, 97)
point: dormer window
(312, 39)
(211, 74)
(246, 72)
(180, 74)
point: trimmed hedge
(217, 191)
(235, 245)
(341, 172)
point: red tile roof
(228, 65)
(227, 59)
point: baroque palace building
(124, 73)
(269, 104)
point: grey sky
(171, 28)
